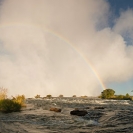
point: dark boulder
(99, 108)
(79, 112)
(87, 107)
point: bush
(19, 99)
(100, 96)
(37, 96)
(49, 96)
(127, 97)
(74, 96)
(3, 93)
(119, 97)
(84, 96)
(60, 96)
(8, 106)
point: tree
(127, 97)
(108, 93)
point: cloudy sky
(66, 46)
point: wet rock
(87, 107)
(99, 108)
(79, 112)
(55, 109)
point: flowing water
(103, 116)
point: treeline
(110, 94)
(123, 97)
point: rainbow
(65, 40)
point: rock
(79, 112)
(99, 108)
(55, 109)
(87, 107)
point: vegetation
(109, 94)
(74, 96)
(60, 96)
(19, 99)
(84, 96)
(49, 96)
(122, 97)
(37, 96)
(3, 93)
(8, 106)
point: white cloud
(123, 25)
(36, 56)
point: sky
(117, 7)
(69, 47)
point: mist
(47, 46)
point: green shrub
(8, 106)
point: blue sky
(116, 7)
(119, 5)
